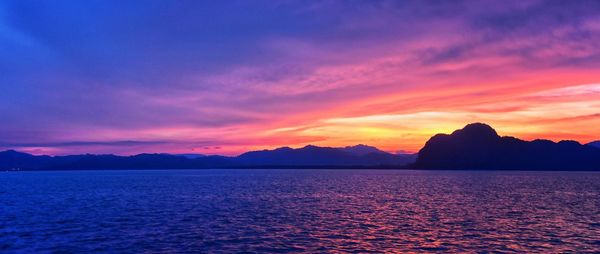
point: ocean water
(314, 211)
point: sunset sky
(224, 77)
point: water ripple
(283, 211)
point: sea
(299, 211)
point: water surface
(299, 211)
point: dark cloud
(84, 143)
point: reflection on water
(299, 211)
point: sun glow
(326, 82)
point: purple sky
(228, 76)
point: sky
(224, 77)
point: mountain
(191, 155)
(478, 146)
(145, 161)
(594, 144)
(17, 160)
(312, 156)
(361, 150)
(12, 159)
(285, 157)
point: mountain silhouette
(13, 159)
(478, 146)
(361, 150)
(190, 155)
(594, 144)
(285, 157)
(310, 155)
(17, 160)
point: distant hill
(361, 150)
(478, 146)
(16, 160)
(191, 155)
(309, 156)
(12, 159)
(594, 144)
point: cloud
(233, 73)
(578, 90)
(84, 143)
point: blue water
(299, 211)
